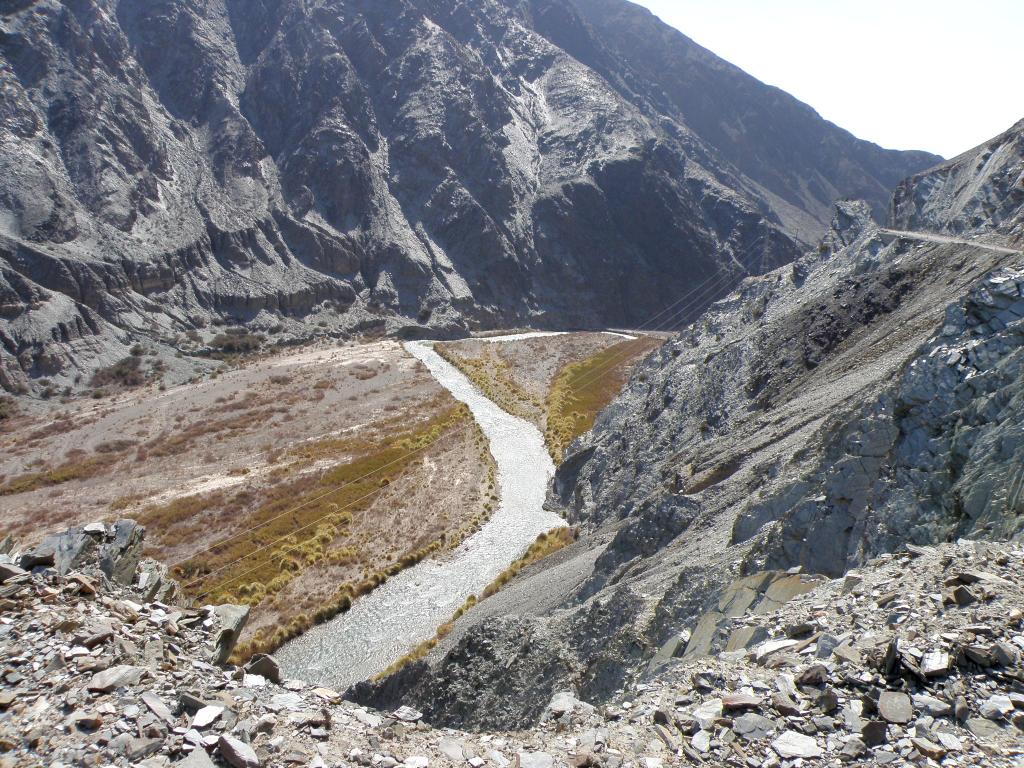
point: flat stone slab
(895, 707)
(116, 677)
(793, 744)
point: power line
(610, 364)
(706, 289)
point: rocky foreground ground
(913, 660)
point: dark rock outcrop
(408, 166)
(114, 549)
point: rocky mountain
(406, 166)
(865, 399)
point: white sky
(939, 75)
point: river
(397, 616)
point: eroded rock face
(411, 167)
(980, 191)
(935, 457)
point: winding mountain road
(931, 237)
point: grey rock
(116, 553)
(1005, 655)
(996, 707)
(895, 707)
(701, 741)
(452, 749)
(197, 758)
(792, 744)
(983, 728)
(963, 596)
(237, 753)
(853, 748)
(874, 733)
(232, 620)
(935, 664)
(10, 571)
(949, 741)
(157, 707)
(120, 676)
(120, 553)
(785, 704)
(708, 713)
(753, 726)
(846, 652)
(961, 710)
(816, 674)
(826, 644)
(206, 716)
(266, 666)
(190, 703)
(535, 760)
(932, 706)
(929, 748)
(408, 714)
(851, 582)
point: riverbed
(397, 616)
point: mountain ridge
(409, 167)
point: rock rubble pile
(913, 660)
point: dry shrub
(115, 446)
(66, 472)
(493, 376)
(8, 407)
(126, 372)
(582, 389)
(237, 341)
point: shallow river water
(393, 619)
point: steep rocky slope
(314, 167)
(864, 398)
(799, 163)
(981, 191)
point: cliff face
(785, 153)
(981, 191)
(862, 399)
(402, 165)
